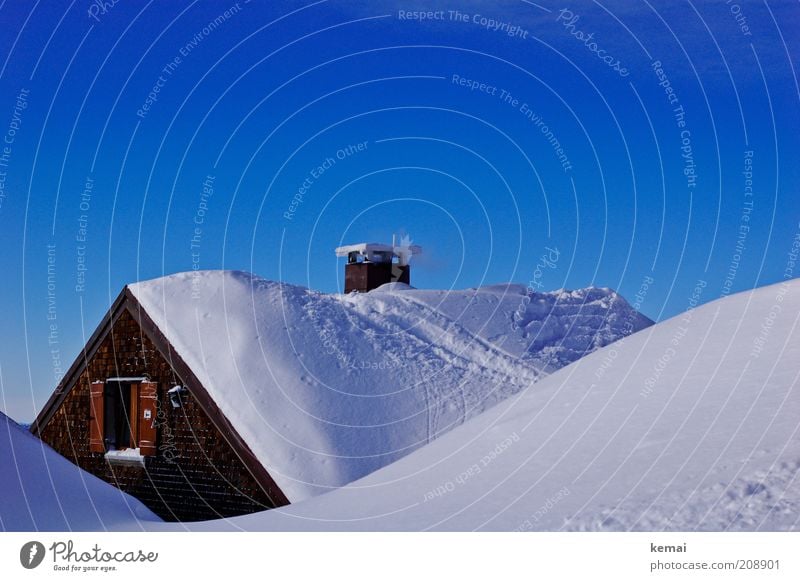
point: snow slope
(692, 424)
(328, 388)
(41, 490)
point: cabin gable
(186, 468)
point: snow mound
(328, 388)
(393, 286)
(691, 424)
(41, 490)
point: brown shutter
(146, 440)
(133, 415)
(96, 407)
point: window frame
(140, 419)
(113, 400)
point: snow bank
(41, 490)
(328, 388)
(691, 424)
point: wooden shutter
(96, 407)
(133, 415)
(146, 410)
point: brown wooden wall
(195, 474)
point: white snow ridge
(326, 388)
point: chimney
(370, 264)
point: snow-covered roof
(363, 248)
(325, 389)
(369, 249)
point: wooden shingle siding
(194, 474)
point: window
(117, 413)
(123, 415)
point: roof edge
(68, 380)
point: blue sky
(365, 105)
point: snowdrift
(691, 424)
(326, 389)
(41, 490)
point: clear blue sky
(260, 97)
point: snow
(369, 248)
(392, 287)
(691, 424)
(41, 490)
(547, 330)
(128, 456)
(126, 453)
(363, 248)
(326, 389)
